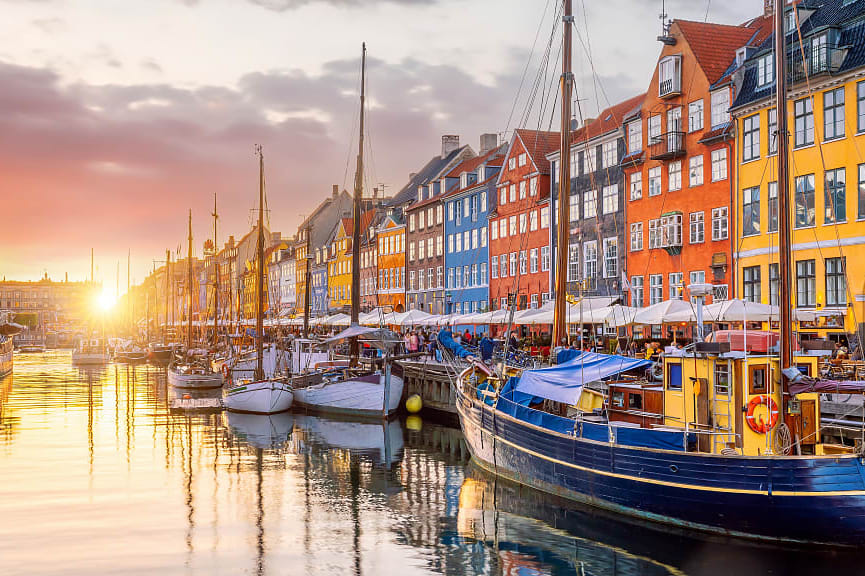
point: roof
(365, 222)
(538, 144)
(609, 120)
(471, 164)
(459, 190)
(429, 172)
(714, 45)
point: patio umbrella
(666, 312)
(411, 318)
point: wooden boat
(362, 395)
(90, 351)
(32, 348)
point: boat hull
(356, 397)
(196, 381)
(817, 500)
(264, 397)
(89, 358)
(6, 353)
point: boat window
(722, 379)
(758, 378)
(618, 399)
(635, 401)
(674, 376)
(804, 369)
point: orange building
(391, 263)
(679, 164)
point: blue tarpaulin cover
(446, 339)
(564, 383)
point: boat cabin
(641, 404)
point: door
(809, 422)
(674, 129)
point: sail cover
(564, 383)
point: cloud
(50, 25)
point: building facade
(390, 282)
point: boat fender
(757, 424)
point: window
(860, 106)
(765, 70)
(719, 223)
(860, 193)
(656, 289)
(636, 185)
(590, 259)
(429, 247)
(719, 164)
(533, 260)
(611, 257)
(533, 220)
(411, 252)
(523, 262)
(512, 163)
(459, 242)
(533, 187)
(836, 196)
(458, 277)
(474, 278)
(474, 239)
(545, 217)
(636, 236)
(773, 207)
(484, 280)
(545, 258)
(720, 107)
(494, 230)
(751, 138)
(805, 201)
(695, 171)
(420, 220)
(523, 223)
(676, 287)
(591, 160)
(512, 193)
(503, 266)
(522, 189)
(635, 137)
(429, 278)
(654, 234)
(573, 262)
(466, 242)
(503, 228)
(483, 201)
(483, 237)
(670, 75)
(773, 131)
(720, 292)
(806, 283)
(610, 200)
(421, 249)
(450, 211)
(833, 114)
(590, 204)
(674, 176)
(411, 223)
(774, 284)
(439, 214)
(803, 119)
(751, 283)
(637, 291)
(696, 227)
(697, 277)
(512, 264)
(439, 245)
(655, 181)
(671, 230)
(522, 159)
(411, 280)
(494, 267)
(654, 128)
(751, 211)
(450, 278)
(503, 195)
(695, 116)
(610, 154)
(512, 225)
(836, 282)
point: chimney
(450, 142)
(488, 142)
(411, 176)
(335, 190)
(768, 8)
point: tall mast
(92, 277)
(128, 286)
(259, 273)
(560, 327)
(358, 193)
(784, 240)
(216, 275)
(167, 293)
(189, 287)
(306, 288)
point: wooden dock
(432, 381)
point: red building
(519, 228)
(678, 169)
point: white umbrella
(338, 320)
(534, 316)
(739, 311)
(666, 312)
(411, 318)
(613, 316)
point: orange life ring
(756, 423)
(225, 371)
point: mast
(306, 290)
(259, 273)
(784, 240)
(128, 286)
(358, 193)
(92, 276)
(560, 327)
(189, 287)
(167, 293)
(216, 276)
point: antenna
(665, 37)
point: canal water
(98, 475)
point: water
(99, 476)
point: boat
(263, 393)
(160, 353)
(191, 368)
(728, 442)
(32, 348)
(90, 351)
(8, 329)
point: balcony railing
(667, 146)
(817, 60)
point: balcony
(667, 146)
(818, 60)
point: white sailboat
(262, 394)
(90, 351)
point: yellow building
(826, 127)
(339, 265)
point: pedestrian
(414, 341)
(514, 342)
(486, 346)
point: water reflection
(100, 475)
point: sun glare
(106, 301)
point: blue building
(470, 198)
(318, 291)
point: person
(414, 341)
(407, 341)
(467, 337)
(486, 346)
(514, 342)
(457, 338)
(648, 350)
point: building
(320, 301)
(467, 207)
(339, 260)
(519, 227)
(390, 234)
(679, 166)
(596, 205)
(421, 202)
(51, 306)
(826, 123)
(287, 279)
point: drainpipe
(733, 158)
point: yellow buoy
(414, 423)
(414, 403)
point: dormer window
(420, 194)
(670, 76)
(765, 70)
(481, 173)
(720, 107)
(464, 179)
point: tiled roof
(472, 164)
(538, 144)
(457, 190)
(714, 45)
(430, 170)
(608, 120)
(718, 133)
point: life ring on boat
(757, 424)
(225, 371)
(486, 393)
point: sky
(116, 118)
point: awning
(564, 383)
